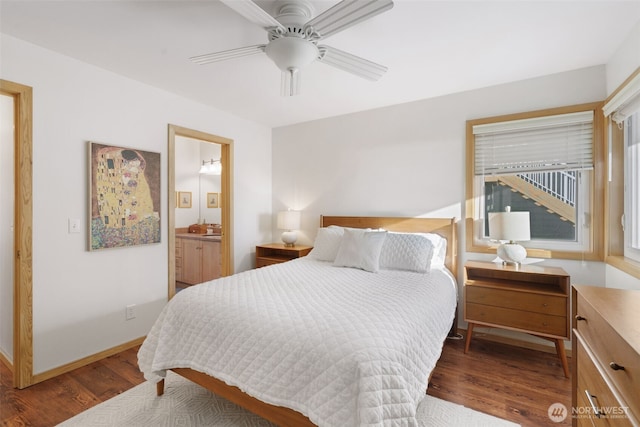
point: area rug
(185, 404)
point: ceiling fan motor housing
(292, 50)
(293, 14)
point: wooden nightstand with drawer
(275, 253)
(529, 299)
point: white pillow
(406, 251)
(360, 249)
(326, 244)
(439, 249)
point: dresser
(275, 253)
(527, 298)
(606, 362)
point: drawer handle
(590, 398)
(578, 317)
(616, 367)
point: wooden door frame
(23, 224)
(226, 200)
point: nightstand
(528, 298)
(275, 253)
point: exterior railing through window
(560, 184)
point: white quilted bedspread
(343, 346)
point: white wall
(409, 159)
(619, 279)
(625, 61)
(79, 297)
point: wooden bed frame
(286, 417)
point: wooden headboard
(446, 227)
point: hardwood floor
(509, 382)
(512, 383)
(53, 401)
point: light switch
(74, 225)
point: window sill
(624, 264)
(544, 253)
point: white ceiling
(432, 48)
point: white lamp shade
(511, 226)
(289, 220)
(291, 53)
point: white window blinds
(559, 142)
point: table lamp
(289, 221)
(511, 227)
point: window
(546, 163)
(623, 202)
(632, 187)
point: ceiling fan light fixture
(290, 85)
(291, 52)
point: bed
(317, 340)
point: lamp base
(289, 238)
(512, 253)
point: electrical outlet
(74, 225)
(130, 312)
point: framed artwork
(213, 200)
(184, 199)
(124, 197)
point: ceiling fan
(294, 36)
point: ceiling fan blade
(254, 13)
(351, 63)
(228, 54)
(345, 14)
